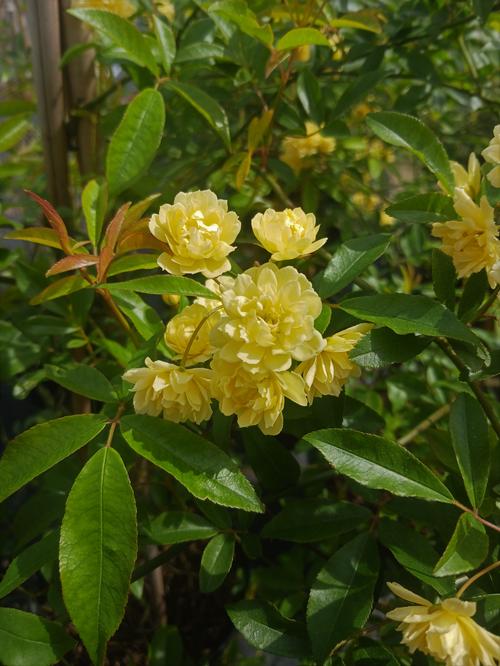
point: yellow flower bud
(469, 180)
(171, 299)
(197, 230)
(445, 631)
(492, 155)
(179, 394)
(181, 328)
(287, 234)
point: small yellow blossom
(179, 394)
(171, 299)
(445, 631)
(296, 149)
(287, 234)
(166, 8)
(472, 242)
(469, 180)
(327, 372)
(197, 230)
(256, 399)
(303, 53)
(492, 155)
(268, 318)
(385, 220)
(122, 8)
(181, 328)
(368, 202)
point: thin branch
(424, 425)
(485, 522)
(469, 582)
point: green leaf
(199, 51)
(378, 463)
(41, 447)
(122, 33)
(274, 466)
(166, 42)
(475, 289)
(12, 131)
(322, 321)
(405, 313)
(350, 259)
(94, 204)
(300, 37)
(165, 648)
(310, 520)
(357, 91)
(443, 278)
(98, 548)
(178, 527)
(382, 347)
(469, 435)
(466, 550)
(414, 552)
(209, 108)
(163, 284)
(400, 129)
(144, 317)
(61, 287)
(133, 262)
(83, 380)
(136, 140)
(196, 463)
(341, 597)
(30, 640)
(266, 629)
(423, 208)
(216, 562)
(29, 562)
(238, 13)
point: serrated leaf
(310, 520)
(466, 550)
(341, 597)
(349, 260)
(400, 129)
(423, 208)
(163, 284)
(301, 37)
(469, 435)
(266, 629)
(216, 562)
(94, 205)
(83, 380)
(98, 549)
(39, 235)
(405, 313)
(378, 463)
(28, 562)
(135, 140)
(29, 640)
(122, 33)
(207, 106)
(205, 470)
(41, 447)
(178, 527)
(382, 347)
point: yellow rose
(296, 149)
(179, 394)
(256, 399)
(197, 230)
(469, 180)
(181, 328)
(268, 318)
(287, 234)
(445, 631)
(492, 155)
(327, 372)
(472, 242)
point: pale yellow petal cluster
(295, 150)
(257, 399)
(470, 180)
(328, 371)
(193, 322)
(445, 631)
(179, 394)
(268, 319)
(471, 241)
(492, 155)
(287, 234)
(197, 230)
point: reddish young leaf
(72, 262)
(110, 239)
(54, 219)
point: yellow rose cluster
(472, 240)
(445, 631)
(257, 335)
(295, 150)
